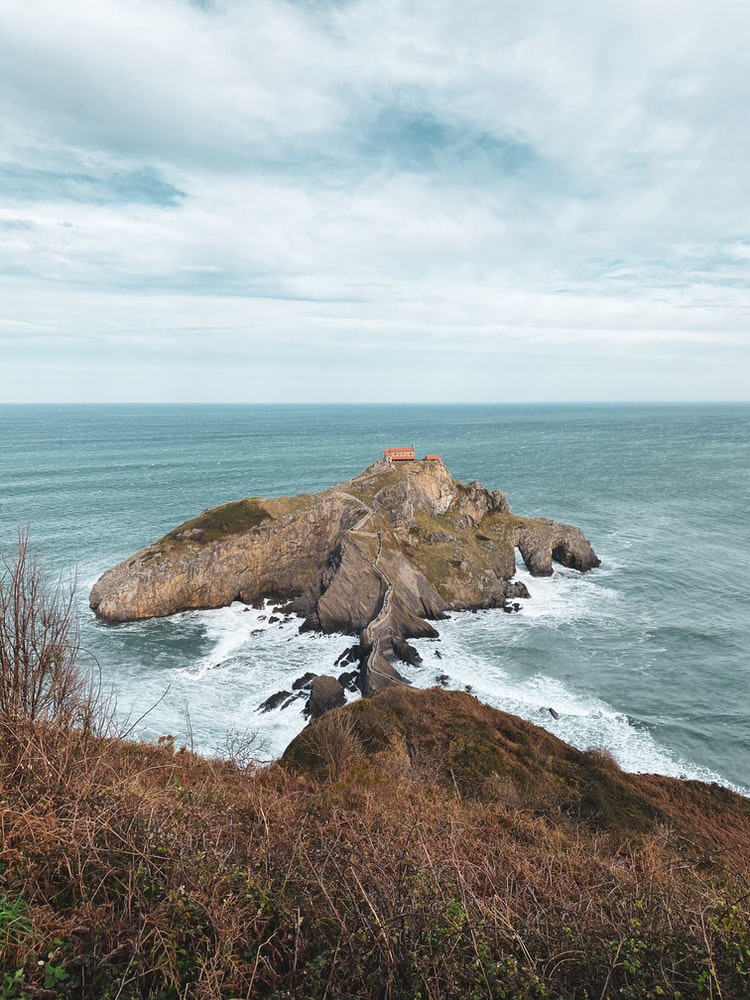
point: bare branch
(42, 676)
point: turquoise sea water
(647, 656)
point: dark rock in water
(256, 632)
(326, 693)
(273, 619)
(349, 680)
(305, 681)
(508, 608)
(406, 652)
(262, 618)
(553, 713)
(291, 701)
(438, 654)
(274, 701)
(442, 680)
(517, 588)
(350, 655)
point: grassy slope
(236, 517)
(456, 566)
(418, 844)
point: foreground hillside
(414, 844)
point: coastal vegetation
(416, 844)
(218, 522)
(43, 677)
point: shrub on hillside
(42, 678)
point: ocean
(646, 656)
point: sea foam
(206, 674)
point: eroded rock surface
(380, 557)
(326, 694)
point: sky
(374, 200)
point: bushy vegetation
(219, 522)
(413, 845)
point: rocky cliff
(380, 557)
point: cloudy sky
(429, 200)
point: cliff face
(222, 556)
(377, 556)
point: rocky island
(380, 556)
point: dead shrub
(42, 674)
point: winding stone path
(377, 633)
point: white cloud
(470, 179)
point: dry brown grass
(362, 868)
(413, 846)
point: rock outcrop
(380, 557)
(326, 693)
